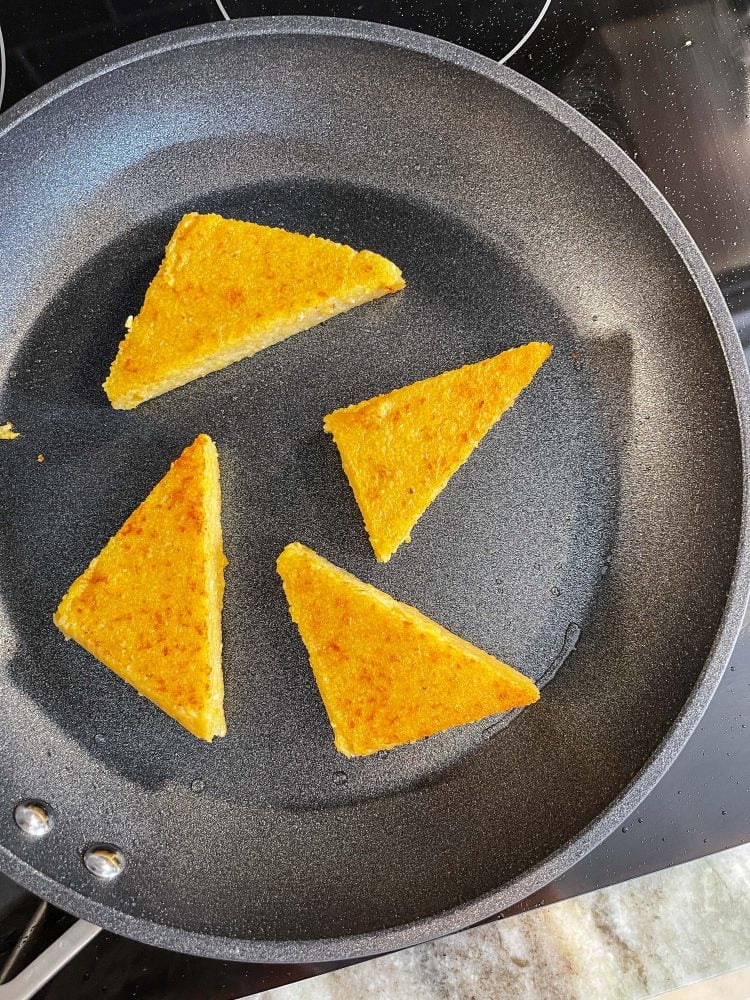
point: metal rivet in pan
(33, 818)
(104, 861)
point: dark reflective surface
(669, 82)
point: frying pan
(597, 539)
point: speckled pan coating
(611, 498)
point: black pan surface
(597, 540)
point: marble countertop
(639, 939)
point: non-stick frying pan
(597, 540)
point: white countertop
(635, 940)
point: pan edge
(447, 922)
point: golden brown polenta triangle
(227, 289)
(399, 450)
(386, 673)
(149, 605)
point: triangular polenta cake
(386, 673)
(399, 450)
(227, 289)
(149, 605)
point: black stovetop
(667, 80)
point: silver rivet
(104, 861)
(33, 818)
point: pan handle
(27, 983)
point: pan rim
(491, 903)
